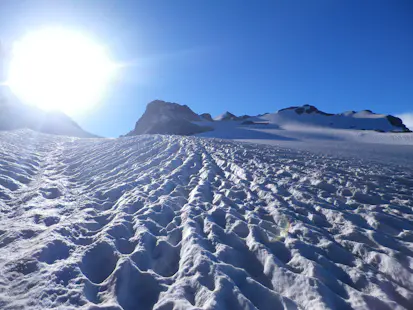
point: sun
(59, 69)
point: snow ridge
(169, 222)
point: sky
(246, 57)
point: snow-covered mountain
(171, 222)
(310, 116)
(171, 118)
(227, 116)
(16, 115)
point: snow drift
(170, 222)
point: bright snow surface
(171, 222)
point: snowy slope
(16, 115)
(310, 116)
(169, 222)
(314, 129)
(306, 118)
(298, 135)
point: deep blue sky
(247, 57)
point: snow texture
(169, 222)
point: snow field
(170, 222)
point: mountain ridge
(162, 117)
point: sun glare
(59, 69)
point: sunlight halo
(59, 69)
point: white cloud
(407, 119)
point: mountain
(206, 117)
(364, 120)
(16, 115)
(171, 118)
(227, 116)
(163, 117)
(171, 222)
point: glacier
(172, 222)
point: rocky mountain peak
(162, 117)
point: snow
(15, 115)
(310, 116)
(225, 117)
(163, 117)
(407, 119)
(307, 128)
(170, 222)
(332, 140)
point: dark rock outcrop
(309, 109)
(206, 117)
(397, 122)
(163, 117)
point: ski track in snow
(169, 222)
